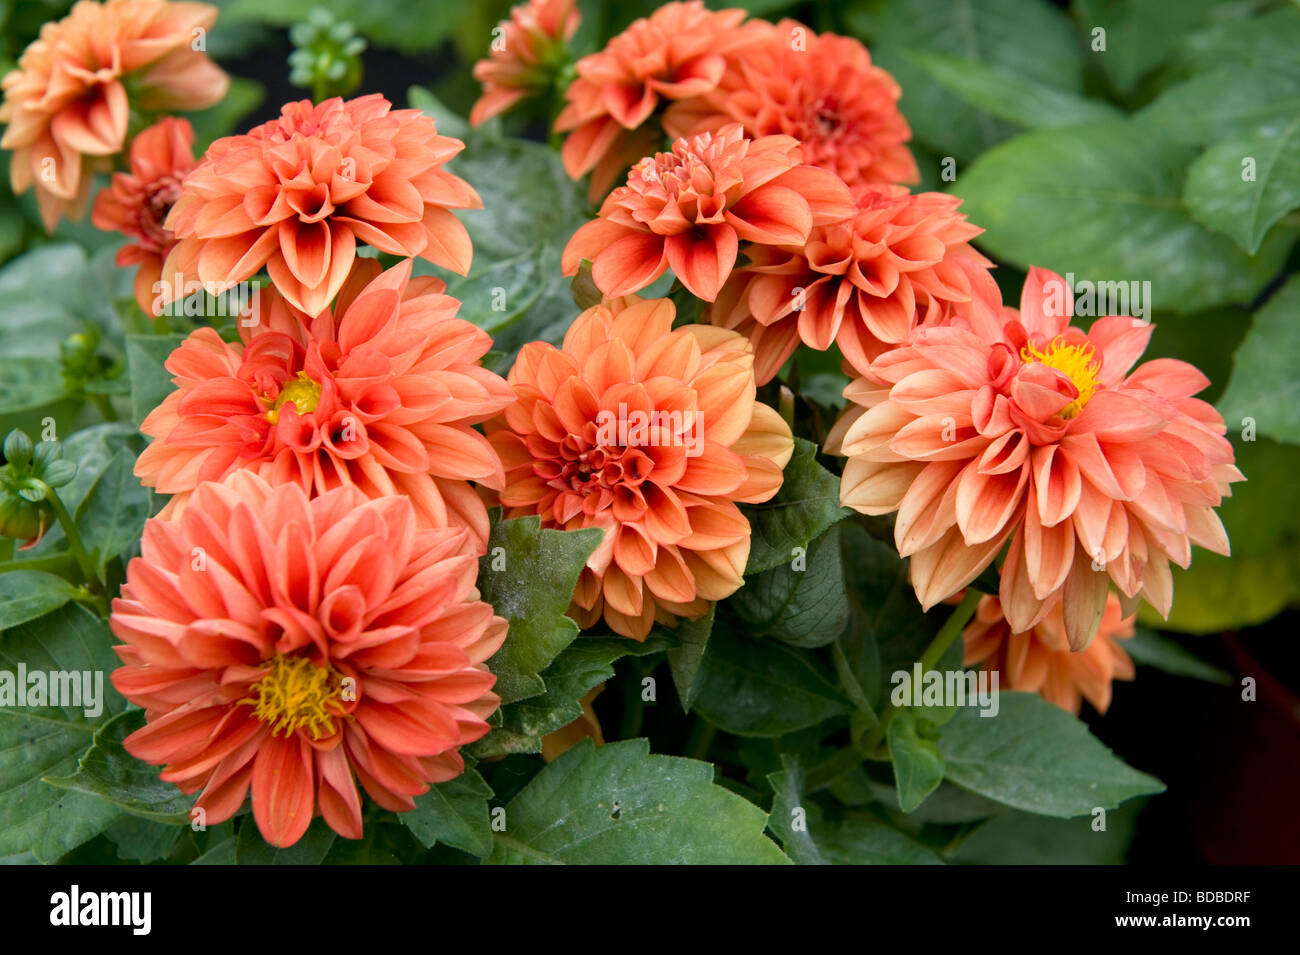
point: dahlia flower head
(296, 194)
(525, 56)
(688, 210)
(136, 203)
(863, 282)
(821, 89)
(679, 51)
(1043, 438)
(654, 435)
(296, 646)
(66, 103)
(379, 393)
(1040, 660)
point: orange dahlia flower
(679, 51)
(297, 193)
(690, 209)
(525, 56)
(136, 203)
(380, 394)
(66, 103)
(822, 90)
(864, 282)
(309, 644)
(1036, 433)
(1040, 660)
(652, 434)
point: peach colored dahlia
(1039, 436)
(652, 434)
(309, 644)
(1040, 660)
(136, 203)
(381, 393)
(822, 90)
(298, 193)
(679, 51)
(690, 209)
(66, 103)
(522, 62)
(863, 282)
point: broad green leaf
(807, 503)
(1225, 196)
(1119, 187)
(28, 594)
(223, 853)
(801, 603)
(1139, 35)
(1269, 39)
(1265, 383)
(582, 665)
(1025, 38)
(618, 804)
(454, 812)
(114, 775)
(1227, 103)
(1017, 99)
(143, 840)
(1149, 648)
(759, 687)
(861, 840)
(1021, 838)
(684, 659)
(311, 849)
(1036, 757)
(113, 513)
(528, 576)
(39, 741)
(918, 764)
(150, 381)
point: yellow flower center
(295, 693)
(1076, 362)
(303, 392)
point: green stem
(78, 548)
(58, 564)
(105, 407)
(951, 629)
(700, 739)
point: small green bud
(18, 449)
(22, 520)
(59, 473)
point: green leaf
(311, 849)
(918, 764)
(1220, 197)
(807, 503)
(454, 812)
(1265, 385)
(1037, 757)
(114, 775)
(801, 602)
(684, 659)
(143, 840)
(1139, 34)
(28, 594)
(1152, 649)
(112, 516)
(1025, 38)
(150, 381)
(1120, 189)
(46, 741)
(618, 804)
(758, 687)
(528, 576)
(1021, 838)
(1017, 99)
(855, 841)
(1230, 102)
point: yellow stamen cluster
(1074, 361)
(303, 392)
(295, 693)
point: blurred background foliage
(1114, 155)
